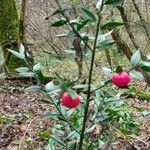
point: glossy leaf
(49, 86)
(37, 67)
(88, 15)
(81, 25)
(22, 69)
(27, 74)
(59, 23)
(57, 141)
(145, 66)
(136, 74)
(110, 25)
(99, 5)
(119, 69)
(17, 54)
(106, 71)
(114, 2)
(135, 59)
(21, 49)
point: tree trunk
(121, 45)
(9, 35)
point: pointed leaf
(37, 67)
(136, 75)
(135, 59)
(87, 15)
(58, 11)
(21, 56)
(57, 141)
(119, 69)
(34, 88)
(106, 71)
(99, 5)
(110, 25)
(27, 74)
(145, 66)
(21, 49)
(52, 115)
(80, 86)
(114, 2)
(59, 23)
(22, 69)
(72, 93)
(49, 86)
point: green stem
(107, 82)
(63, 115)
(89, 86)
(74, 30)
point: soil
(21, 119)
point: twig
(19, 148)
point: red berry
(121, 79)
(68, 102)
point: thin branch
(89, 85)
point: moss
(9, 33)
(9, 21)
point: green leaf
(49, 86)
(114, 2)
(72, 93)
(37, 67)
(99, 5)
(112, 24)
(70, 34)
(145, 66)
(72, 135)
(26, 74)
(136, 74)
(22, 69)
(119, 69)
(106, 71)
(80, 86)
(41, 76)
(146, 113)
(33, 88)
(21, 56)
(21, 49)
(63, 110)
(58, 11)
(52, 115)
(59, 23)
(135, 59)
(44, 135)
(57, 141)
(72, 146)
(81, 25)
(104, 39)
(87, 15)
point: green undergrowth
(141, 94)
(67, 68)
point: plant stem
(63, 115)
(89, 85)
(74, 30)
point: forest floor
(22, 120)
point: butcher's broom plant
(86, 116)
